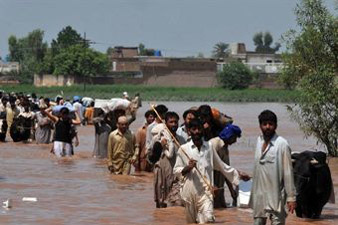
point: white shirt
(273, 182)
(78, 108)
(207, 161)
(183, 132)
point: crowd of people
(190, 162)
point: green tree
(110, 51)
(143, 51)
(80, 61)
(31, 46)
(15, 51)
(66, 38)
(48, 62)
(235, 75)
(311, 64)
(263, 42)
(221, 50)
(29, 51)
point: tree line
(68, 54)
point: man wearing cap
(227, 137)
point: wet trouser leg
(126, 168)
(199, 208)
(276, 219)
(62, 149)
(260, 221)
(190, 212)
(205, 206)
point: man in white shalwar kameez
(195, 192)
(273, 183)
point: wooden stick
(184, 152)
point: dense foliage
(235, 75)
(143, 51)
(311, 65)
(29, 51)
(221, 50)
(263, 42)
(69, 54)
(76, 60)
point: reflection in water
(81, 191)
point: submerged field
(150, 93)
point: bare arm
(77, 120)
(52, 117)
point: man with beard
(196, 191)
(188, 115)
(273, 184)
(166, 188)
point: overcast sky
(177, 27)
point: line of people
(156, 147)
(30, 119)
(191, 162)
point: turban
(229, 131)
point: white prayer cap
(125, 94)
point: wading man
(166, 185)
(122, 148)
(196, 192)
(273, 183)
(142, 163)
(228, 136)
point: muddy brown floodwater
(80, 190)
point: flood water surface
(80, 190)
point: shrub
(235, 75)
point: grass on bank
(152, 93)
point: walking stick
(184, 152)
